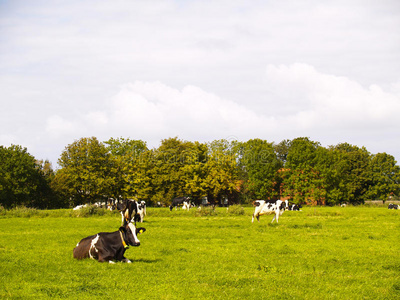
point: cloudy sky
(199, 70)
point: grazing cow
(141, 211)
(292, 206)
(263, 207)
(178, 201)
(393, 206)
(109, 246)
(187, 205)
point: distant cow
(178, 201)
(393, 206)
(78, 207)
(262, 207)
(141, 211)
(109, 246)
(292, 206)
(187, 205)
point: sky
(199, 71)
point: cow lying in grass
(262, 207)
(109, 246)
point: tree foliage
(384, 175)
(300, 170)
(260, 166)
(23, 180)
(86, 169)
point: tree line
(239, 172)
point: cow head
(131, 232)
(281, 205)
(296, 207)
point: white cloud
(333, 109)
(158, 111)
(8, 139)
(58, 127)
(332, 101)
(200, 70)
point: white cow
(78, 207)
(276, 207)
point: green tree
(282, 150)
(352, 164)
(126, 154)
(167, 169)
(22, 181)
(221, 170)
(260, 165)
(48, 197)
(194, 170)
(302, 181)
(385, 175)
(86, 171)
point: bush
(91, 210)
(206, 211)
(19, 212)
(3, 211)
(236, 210)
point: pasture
(317, 253)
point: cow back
(83, 247)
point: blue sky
(199, 70)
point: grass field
(318, 253)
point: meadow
(317, 253)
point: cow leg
(122, 221)
(276, 217)
(125, 260)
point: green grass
(318, 253)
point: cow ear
(122, 228)
(140, 230)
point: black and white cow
(262, 207)
(178, 201)
(393, 206)
(129, 211)
(141, 211)
(187, 205)
(109, 246)
(292, 206)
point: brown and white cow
(109, 246)
(263, 207)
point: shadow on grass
(146, 261)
